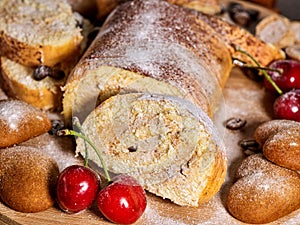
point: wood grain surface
(242, 98)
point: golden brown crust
(37, 55)
(283, 148)
(45, 97)
(175, 49)
(215, 181)
(269, 128)
(206, 6)
(28, 179)
(36, 32)
(264, 191)
(20, 121)
(233, 35)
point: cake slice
(18, 81)
(38, 32)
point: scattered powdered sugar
(61, 149)
(154, 218)
(12, 112)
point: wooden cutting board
(242, 98)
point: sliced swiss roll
(19, 82)
(41, 85)
(168, 144)
(150, 46)
(38, 32)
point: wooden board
(242, 98)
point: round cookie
(20, 121)
(28, 178)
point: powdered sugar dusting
(12, 113)
(61, 149)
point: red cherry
(287, 106)
(77, 188)
(289, 78)
(123, 201)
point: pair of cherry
(286, 75)
(283, 77)
(122, 200)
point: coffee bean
(235, 123)
(56, 126)
(250, 145)
(41, 72)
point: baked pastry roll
(168, 144)
(154, 47)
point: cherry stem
(86, 139)
(242, 64)
(266, 75)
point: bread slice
(276, 29)
(295, 26)
(159, 48)
(38, 32)
(18, 81)
(169, 145)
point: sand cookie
(28, 179)
(264, 192)
(283, 148)
(269, 128)
(20, 121)
(280, 141)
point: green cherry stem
(266, 75)
(65, 132)
(242, 64)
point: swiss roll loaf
(153, 47)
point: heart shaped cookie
(263, 192)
